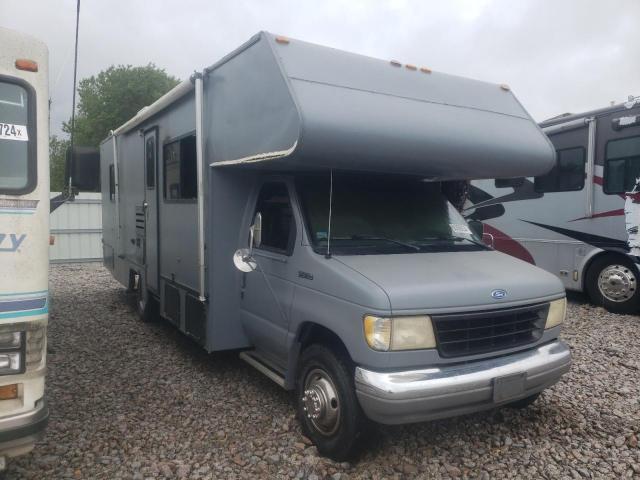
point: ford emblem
(499, 293)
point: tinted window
(568, 173)
(278, 227)
(14, 138)
(180, 175)
(150, 157)
(622, 165)
(373, 214)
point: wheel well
(598, 256)
(311, 333)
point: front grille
(489, 331)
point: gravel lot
(130, 400)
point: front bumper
(18, 433)
(447, 391)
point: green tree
(57, 153)
(107, 100)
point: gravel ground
(131, 400)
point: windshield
(14, 138)
(372, 214)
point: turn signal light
(27, 65)
(9, 392)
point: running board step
(253, 359)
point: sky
(556, 55)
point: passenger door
(267, 293)
(150, 208)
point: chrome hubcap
(617, 283)
(320, 402)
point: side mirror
(243, 258)
(82, 169)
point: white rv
(579, 221)
(24, 240)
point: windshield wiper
(387, 239)
(458, 238)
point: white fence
(77, 230)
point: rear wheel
(328, 408)
(148, 308)
(612, 281)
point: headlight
(36, 347)
(22, 347)
(399, 333)
(11, 347)
(557, 311)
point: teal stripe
(26, 313)
(16, 212)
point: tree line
(106, 101)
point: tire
(612, 282)
(524, 402)
(148, 309)
(325, 388)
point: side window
(622, 165)
(568, 173)
(180, 175)
(112, 183)
(17, 138)
(278, 227)
(150, 160)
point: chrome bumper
(447, 391)
(23, 430)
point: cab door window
(278, 225)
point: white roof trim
(259, 157)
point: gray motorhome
(290, 202)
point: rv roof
(568, 117)
(284, 103)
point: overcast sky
(557, 55)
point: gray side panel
(248, 108)
(229, 192)
(109, 227)
(177, 230)
(131, 186)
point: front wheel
(612, 281)
(328, 408)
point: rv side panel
(229, 191)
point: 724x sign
(11, 131)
